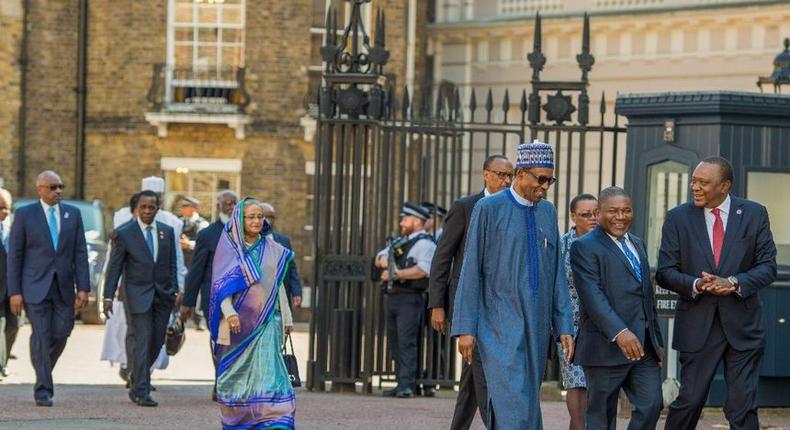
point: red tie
(718, 235)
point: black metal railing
(377, 147)
(213, 90)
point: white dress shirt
(154, 233)
(46, 213)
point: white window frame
(196, 44)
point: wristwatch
(734, 281)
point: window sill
(160, 120)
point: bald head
(49, 187)
(269, 212)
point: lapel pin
(161, 236)
(739, 212)
(66, 215)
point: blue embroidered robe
(511, 299)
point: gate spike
(473, 101)
(328, 39)
(391, 104)
(489, 101)
(603, 102)
(523, 105)
(457, 102)
(425, 111)
(406, 103)
(379, 39)
(506, 103)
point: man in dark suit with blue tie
(47, 257)
(716, 253)
(619, 343)
(292, 282)
(144, 252)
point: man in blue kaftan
(510, 298)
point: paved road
(89, 396)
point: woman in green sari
(247, 312)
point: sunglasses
(54, 187)
(542, 180)
(505, 176)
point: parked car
(96, 240)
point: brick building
(210, 94)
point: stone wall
(10, 38)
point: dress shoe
(428, 391)
(146, 401)
(390, 393)
(404, 393)
(124, 374)
(44, 401)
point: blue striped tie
(631, 257)
(53, 227)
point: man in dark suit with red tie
(717, 252)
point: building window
(201, 179)
(205, 52)
(668, 188)
(761, 187)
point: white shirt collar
(486, 193)
(724, 207)
(144, 225)
(615, 239)
(46, 207)
(413, 235)
(520, 200)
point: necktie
(631, 257)
(53, 227)
(718, 235)
(149, 239)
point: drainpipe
(22, 126)
(82, 57)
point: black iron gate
(377, 147)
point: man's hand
(568, 347)
(660, 353)
(466, 344)
(16, 304)
(185, 313)
(288, 329)
(81, 300)
(381, 262)
(179, 298)
(297, 301)
(439, 320)
(107, 305)
(234, 323)
(385, 275)
(630, 345)
(717, 285)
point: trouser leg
(603, 387)
(160, 314)
(392, 329)
(3, 350)
(143, 330)
(643, 389)
(466, 402)
(742, 374)
(40, 317)
(409, 321)
(129, 337)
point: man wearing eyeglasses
(510, 297)
(47, 259)
(446, 269)
(292, 281)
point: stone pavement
(89, 395)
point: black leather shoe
(44, 401)
(404, 393)
(428, 391)
(142, 401)
(390, 393)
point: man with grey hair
(47, 258)
(293, 284)
(5, 206)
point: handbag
(175, 336)
(290, 362)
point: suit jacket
(612, 299)
(3, 279)
(748, 253)
(198, 278)
(292, 282)
(33, 263)
(143, 277)
(449, 255)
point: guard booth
(668, 134)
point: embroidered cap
(430, 207)
(153, 183)
(534, 154)
(415, 211)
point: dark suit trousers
(129, 338)
(641, 382)
(404, 320)
(472, 394)
(51, 322)
(149, 336)
(741, 374)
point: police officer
(412, 253)
(435, 222)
